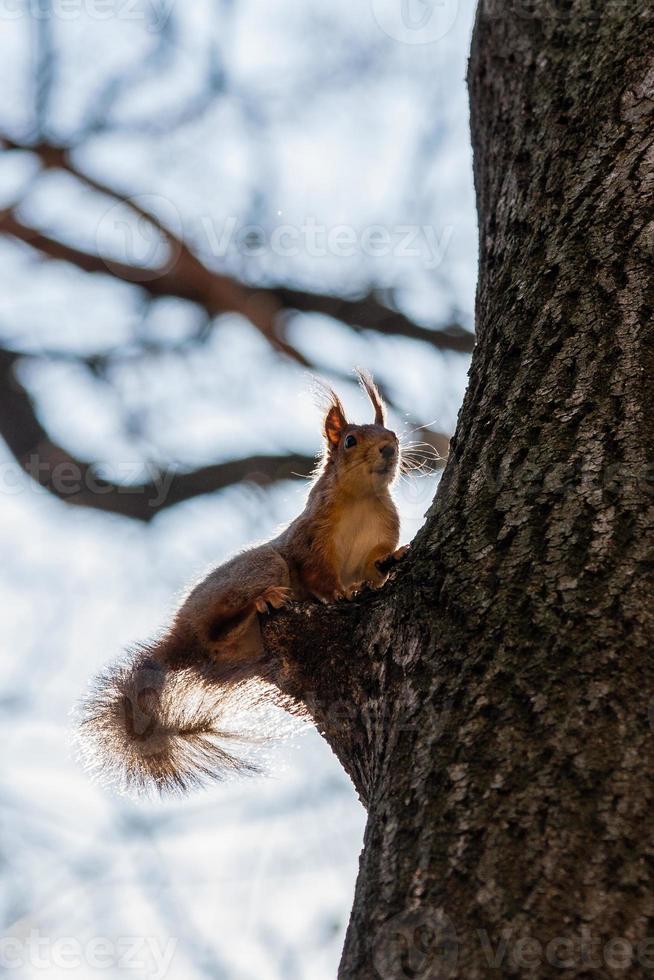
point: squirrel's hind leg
(223, 608)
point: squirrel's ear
(335, 421)
(372, 391)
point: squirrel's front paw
(385, 564)
(275, 596)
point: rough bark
(492, 704)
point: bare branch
(186, 277)
(369, 312)
(77, 481)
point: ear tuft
(335, 420)
(372, 391)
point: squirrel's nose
(387, 451)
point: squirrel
(154, 721)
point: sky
(323, 123)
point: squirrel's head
(364, 458)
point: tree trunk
(492, 705)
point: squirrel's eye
(349, 442)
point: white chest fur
(362, 528)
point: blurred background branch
(69, 204)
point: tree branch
(370, 313)
(77, 481)
(186, 277)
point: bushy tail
(145, 725)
